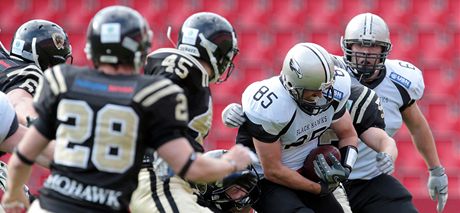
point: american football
(307, 170)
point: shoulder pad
(406, 75)
(268, 104)
(342, 87)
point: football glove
(330, 174)
(385, 163)
(327, 188)
(437, 186)
(233, 115)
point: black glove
(330, 174)
(327, 188)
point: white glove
(233, 115)
(385, 163)
(437, 186)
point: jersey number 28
(114, 143)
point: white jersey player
(286, 114)
(399, 84)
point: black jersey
(15, 73)
(102, 125)
(190, 75)
(365, 109)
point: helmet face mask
(118, 35)
(309, 67)
(42, 42)
(366, 30)
(211, 38)
(236, 191)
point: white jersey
(8, 122)
(400, 86)
(272, 115)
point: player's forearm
(291, 179)
(22, 103)
(205, 169)
(424, 142)
(18, 174)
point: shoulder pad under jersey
(406, 75)
(267, 103)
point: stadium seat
(322, 15)
(288, 15)
(434, 48)
(409, 160)
(255, 46)
(253, 14)
(330, 40)
(396, 13)
(430, 14)
(12, 16)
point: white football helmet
(308, 66)
(368, 30)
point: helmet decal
(110, 33)
(295, 67)
(58, 40)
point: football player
(367, 116)
(103, 118)
(205, 51)
(235, 193)
(286, 114)
(399, 84)
(36, 45)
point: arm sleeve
(26, 78)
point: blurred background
(425, 33)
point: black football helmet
(41, 42)
(118, 35)
(210, 37)
(218, 195)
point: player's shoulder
(177, 65)
(407, 75)
(153, 88)
(342, 85)
(268, 101)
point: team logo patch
(400, 80)
(295, 67)
(58, 40)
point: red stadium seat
(252, 15)
(396, 13)
(330, 40)
(409, 160)
(431, 14)
(288, 15)
(255, 47)
(323, 15)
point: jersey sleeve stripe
(52, 81)
(60, 79)
(150, 89)
(171, 89)
(363, 109)
(359, 108)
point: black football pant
(279, 199)
(381, 194)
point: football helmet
(309, 67)
(210, 37)
(118, 35)
(41, 42)
(234, 192)
(368, 30)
